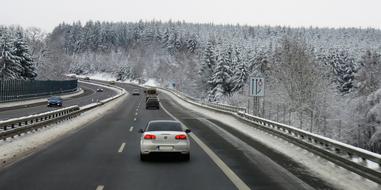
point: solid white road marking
(221, 164)
(131, 128)
(121, 147)
(100, 187)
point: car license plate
(165, 147)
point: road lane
(90, 96)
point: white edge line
(221, 164)
(121, 147)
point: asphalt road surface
(105, 155)
(90, 95)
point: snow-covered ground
(98, 76)
(318, 166)
(102, 76)
(151, 82)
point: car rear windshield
(164, 126)
(151, 91)
(55, 98)
(153, 100)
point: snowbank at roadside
(151, 82)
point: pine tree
(240, 72)
(221, 79)
(207, 65)
(21, 50)
(344, 69)
(369, 76)
(10, 67)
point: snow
(151, 82)
(99, 76)
(320, 167)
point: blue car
(55, 101)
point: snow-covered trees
(208, 63)
(295, 68)
(15, 59)
(369, 76)
(343, 67)
(240, 72)
(21, 50)
(220, 80)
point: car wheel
(186, 157)
(143, 157)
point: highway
(105, 155)
(90, 95)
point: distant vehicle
(73, 77)
(99, 89)
(150, 92)
(136, 92)
(112, 82)
(152, 102)
(55, 101)
(86, 78)
(164, 136)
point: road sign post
(257, 90)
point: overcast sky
(47, 14)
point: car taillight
(149, 136)
(181, 137)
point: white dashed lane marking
(100, 187)
(121, 147)
(131, 128)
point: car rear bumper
(182, 148)
(54, 104)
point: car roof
(55, 97)
(163, 121)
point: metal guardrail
(360, 161)
(11, 90)
(17, 126)
(12, 127)
(214, 105)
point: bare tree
(295, 68)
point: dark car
(152, 103)
(55, 101)
(86, 78)
(136, 92)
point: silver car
(164, 136)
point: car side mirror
(141, 131)
(187, 131)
